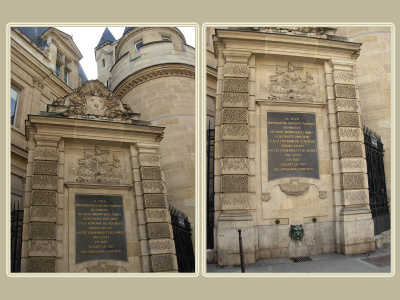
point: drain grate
(300, 259)
(380, 261)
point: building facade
(291, 169)
(73, 139)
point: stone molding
(153, 73)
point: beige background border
(200, 12)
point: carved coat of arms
(98, 166)
(291, 84)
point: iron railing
(376, 181)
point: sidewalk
(374, 262)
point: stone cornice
(151, 73)
(282, 44)
(92, 129)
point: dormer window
(138, 45)
(58, 70)
(66, 76)
(62, 67)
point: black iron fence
(17, 217)
(376, 181)
(210, 187)
(183, 241)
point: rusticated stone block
(45, 167)
(43, 213)
(345, 91)
(158, 230)
(235, 183)
(348, 119)
(350, 149)
(343, 77)
(234, 115)
(349, 134)
(346, 104)
(41, 265)
(235, 100)
(45, 154)
(161, 263)
(155, 201)
(151, 173)
(352, 165)
(235, 201)
(42, 248)
(238, 85)
(355, 197)
(44, 197)
(235, 166)
(44, 182)
(157, 215)
(149, 160)
(43, 230)
(160, 246)
(353, 181)
(236, 70)
(234, 149)
(152, 186)
(235, 132)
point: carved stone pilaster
(41, 241)
(355, 216)
(159, 238)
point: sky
(87, 38)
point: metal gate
(210, 187)
(376, 181)
(17, 217)
(183, 240)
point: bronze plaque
(100, 228)
(292, 145)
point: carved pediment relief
(291, 83)
(93, 101)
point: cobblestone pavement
(374, 262)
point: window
(109, 83)
(66, 76)
(59, 56)
(14, 101)
(138, 45)
(165, 38)
(104, 63)
(67, 63)
(58, 70)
